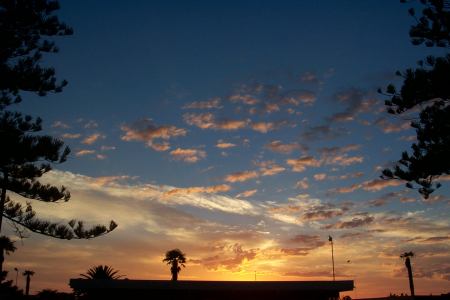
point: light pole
(330, 239)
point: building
(211, 290)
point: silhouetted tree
(28, 275)
(407, 256)
(48, 294)
(25, 26)
(102, 272)
(425, 89)
(176, 259)
(25, 29)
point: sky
(243, 133)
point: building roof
(292, 286)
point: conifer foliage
(425, 96)
(26, 29)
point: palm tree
(175, 258)
(406, 256)
(6, 246)
(28, 274)
(102, 272)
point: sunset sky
(242, 132)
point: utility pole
(330, 239)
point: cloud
(300, 164)
(309, 77)
(71, 135)
(320, 176)
(312, 241)
(246, 194)
(278, 147)
(269, 168)
(60, 124)
(356, 102)
(263, 127)
(297, 97)
(89, 140)
(302, 184)
(146, 131)
(84, 152)
(199, 189)
(208, 121)
(224, 145)
(231, 257)
(208, 104)
(357, 221)
(370, 185)
(244, 99)
(241, 176)
(188, 155)
(388, 127)
(90, 124)
(323, 132)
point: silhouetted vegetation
(102, 272)
(176, 259)
(25, 29)
(427, 90)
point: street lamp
(330, 239)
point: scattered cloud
(224, 145)
(300, 164)
(302, 184)
(388, 127)
(244, 99)
(269, 168)
(241, 176)
(188, 155)
(208, 104)
(84, 152)
(246, 194)
(71, 135)
(146, 131)
(278, 147)
(208, 121)
(89, 140)
(60, 124)
(320, 176)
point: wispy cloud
(199, 189)
(84, 152)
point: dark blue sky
(253, 126)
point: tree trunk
(174, 271)
(2, 209)
(410, 276)
(27, 288)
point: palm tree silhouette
(102, 272)
(406, 256)
(175, 258)
(6, 246)
(28, 274)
